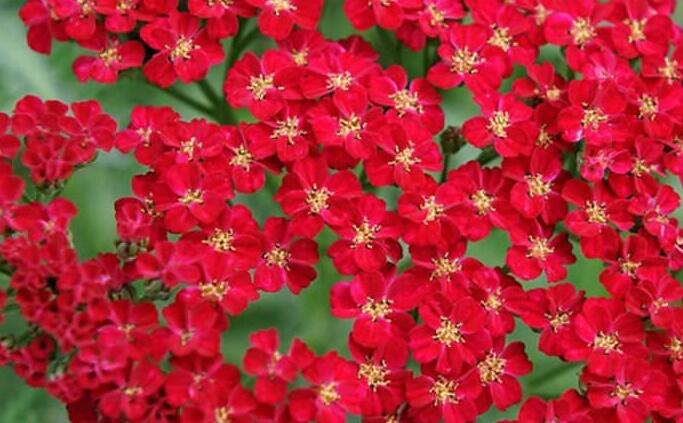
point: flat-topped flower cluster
(585, 150)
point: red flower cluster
(136, 335)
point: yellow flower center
(339, 81)
(377, 309)
(539, 248)
(288, 128)
(351, 126)
(444, 266)
(448, 333)
(501, 38)
(374, 374)
(637, 27)
(221, 240)
(259, 85)
(281, 5)
(483, 202)
(222, 415)
(328, 393)
(434, 210)
(676, 348)
(608, 342)
(628, 267)
(300, 57)
(277, 256)
(499, 122)
(242, 157)
(436, 15)
(593, 117)
(132, 391)
(183, 48)
(538, 187)
(188, 147)
(669, 70)
(464, 61)
(582, 31)
(493, 301)
(491, 369)
(365, 234)
(647, 107)
(443, 391)
(405, 101)
(625, 391)
(110, 56)
(316, 199)
(596, 212)
(214, 290)
(558, 320)
(192, 196)
(405, 157)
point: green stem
(446, 165)
(486, 156)
(191, 102)
(220, 108)
(542, 378)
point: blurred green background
(95, 189)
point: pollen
(538, 187)
(596, 212)
(259, 85)
(493, 301)
(443, 391)
(444, 267)
(188, 147)
(628, 267)
(328, 393)
(647, 107)
(434, 210)
(377, 309)
(123, 6)
(405, 157)
(592, 118)
(222, 415)
(221, 241)
(448, 333)
(280, 6)
(625, 391)
(582, 31)
(110, 56)
(375, 375)
(242, 157)
(544, 139)
(499, 122)
(406, 101)
(214, 290)
(501, 38)
(676, 348)
(558, 320)
(436, 16)
(300, 57)
(640, 167)
(491, 369)
(365, 234)
(607, 342)
(182, 49)
(277, 256)
(464, 61)
(539, 248)
(339, 81)
(483, 202)
(637, 27)
(670, 70)
(351, 126)
(192, 196)
(288, 128)
(132, 391)
(553, 93)
(317, 199)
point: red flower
(112, 57)
(287, 259)
(434, 398)
(128, 327)
(261, 85)
(505, 124)
(534, 250)
(569, 407)
(642, 32)
(286, 133)
(417, 99)
(278, 17)
(379, 304)
(336, 391)
(312, 197)
(131, 396)
(193, 327)
(605, 335)
(341, 73)
(368, 237)
(467, 57)
(185, 50)
(194, 376)
(145, 132)
(406, 152)
(629, 258)
(389, 15)
(222, 17)
(453, 333)
(498, 373)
